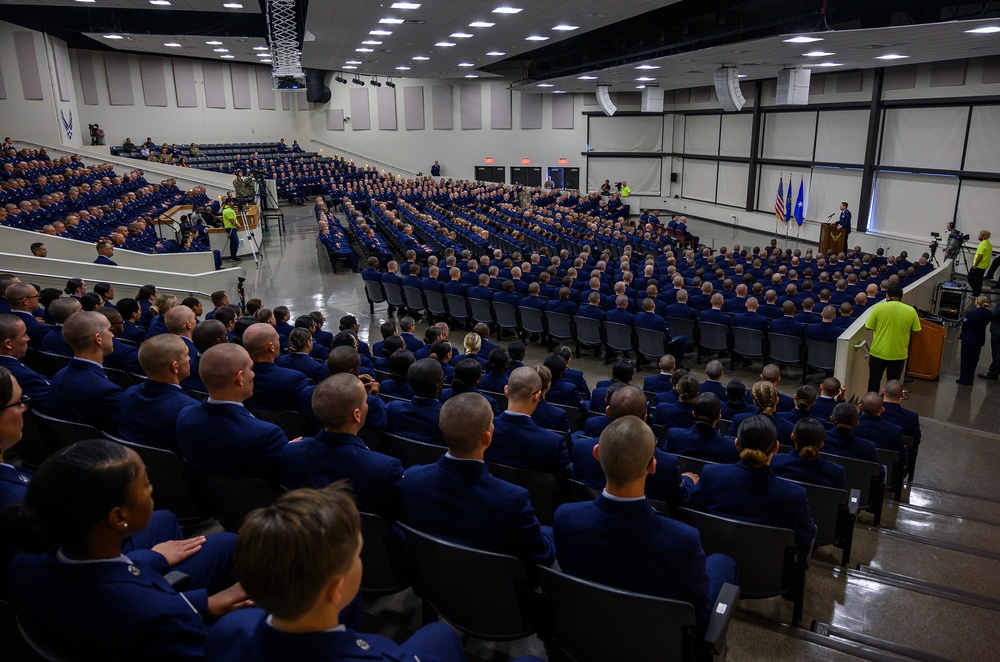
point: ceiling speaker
(793, 87)
(652, 99)
(727, 88)
(604, 100)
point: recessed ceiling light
(817, 54)
(989, 29)
(262, 54)
(266, 61)
(353, 62)
(802, 40)
(371, 42)
(566, 28)
(741, 75)
(402, 68)
(892, 56)
(640, 87)
(217, 50)
(380, 33)
(825, 64)
(86, 0)
(644, 78)
(444, 44)
(406, 5)
(481, 24)
(214, 43)
(113, 36)
(471, 76)
(172, 44)
(544, 85)
(466, 64)
(496, 53)
(645, 67)
(507, 10)
(160, 3)
(227, 57)
(586, 77)
(390, 21)
(365, 50)
(536, 37)
(558, 91)
(232, 5)
(420, 57)
(256, 48)
(460, 35)
(349, 66)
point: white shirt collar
(339, 628)
(62, 558)
(516, 413)
(213, 401)
(463, 459)
(618, 498)
(99, 365)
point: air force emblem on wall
(68, 125)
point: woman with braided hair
(765, 397)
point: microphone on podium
(830, 216)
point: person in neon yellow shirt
(984, 252)
(893, 323)
(232, 229)
(626, 190)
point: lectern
(831, 238)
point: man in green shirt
(893, 323)
(232, 230)
(980, 262)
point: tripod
(254, 246)
(268, 205)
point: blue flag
(799, 205)
(788, 203)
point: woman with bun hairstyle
(468, 376)
(804, 398)
(803, 462)
(300, 344)
(765, 397)
(749, 490)
(840, 440)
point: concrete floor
(924, 585)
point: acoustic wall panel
(982, 154)
(88, 81)
(948, 73)
(842, 136)
(913, 205)
(286, 100)
(154, 84)
(900, 78)
(924, 137)
(27, 65)
(119, 75)
(360, 112)
(184, 85)
(991, 70)
(3, 88)
(265, 95)
(441, 107)
(735, 138)
(590, 99)
(531, 111)
(302, 101)
(386, 98)
(817, 84)
(471, 105)
(334, 119)
(701, 135)
(625, 133)
(215, 93)
(500, 115)
(732, 186)
(789, 135)
(698, 180)
(562, 111)
(413, 107)
(241, 86)
(64, 75)
(849, 81)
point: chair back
(863, 476)
(292, 423)
(714, 337)
(543, 489)
(785, 348)
(436, 305)
(501, 398)
(560, 325)
(821, 355)
(588, 332)
(382, 557)
(481, 310)
(532, 320)
(645, 627)
(53, 363)
(681, 326)
(482, 594)
(458, 306)
(120, 378)
(573, 414)
(619, 336)
(59, 433)
(574, 490)
(691, 464)
(748, 343)
(32, 449)
(414, 297)
(41, 649)
(652, 343)
(233, 499)
(374, 292)
(506, 315)
(411, 452)
(394, 294)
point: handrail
(368, 158)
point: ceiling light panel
(507, 10)
(481, 24)
(802, 40)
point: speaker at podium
(831, 238)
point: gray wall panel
(64, 75)
(562, 111)
(531, 111)
(215, 92)
(361, 119)
(334, 119)
(286, 100)
(849, 81)
(3, 88)
(948, 73)
(441, 103)
(154, 84)
(386, 99)
(471, 103)
(500, 115)
(413, 107)
(27, 64)
(901, 78)
(184, 85)
(241, 86)
(302, 101)
(119, 75)
(88, 81)
(265, 95)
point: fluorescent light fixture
(349, 66)
(266, 61)
(172, 44)
(444, 44)
(481, 24)
(353, 62)
(817, 54)
(496, 53)
(826, 64)
(507, 10)
(536, 37)
(741, 75)
(420, 58)
(586, 77)
(227, 57)
(371, 42)
(86, 0)
(892, 56)
(380, 33)
(646, 67)
(558, 91)
(566, 28)
(802, 40)
(214, 43)
(159, 3)
(232, 5)
(403, 68)
(113, 36)
(406, 5)
(256, 48)
(262, 54)
(640, 87)
(365, 50)
(989, 29)
(217, 50)
(460, 35)
(466, 64)
(644, 79)
(390, 21)
(545, 85)
(471, 76)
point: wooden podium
(831, 239)
(926, 350)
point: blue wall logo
(67, 125)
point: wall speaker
(316, 89)
(652, 99)
(727, 88)
(604, 100)
(674, 178)
(793, 87)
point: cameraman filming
(96, 134)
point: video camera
(618, 185)
(96, 134)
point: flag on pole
(799, 204)
(788, 201)
(779, 202)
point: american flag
(779, 202)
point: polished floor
(923, 585)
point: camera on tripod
(96, 134)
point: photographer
(96, 135)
